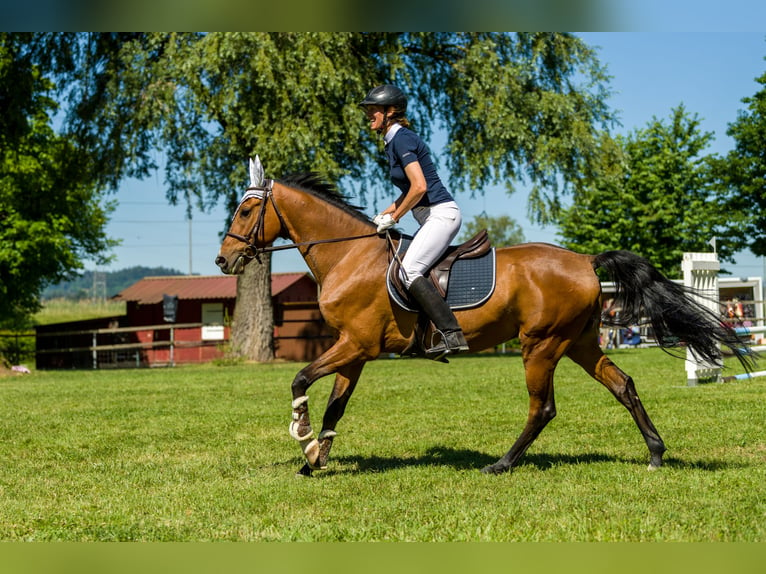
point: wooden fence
(118, 347)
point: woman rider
(423, 193)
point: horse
(546, 296)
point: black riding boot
(451, 335)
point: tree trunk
(252, 330)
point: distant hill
(107, 283)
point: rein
(271, 248)
(265, 191)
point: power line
(168, 245)
(145, 203)
(151, 221)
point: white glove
(384, 221)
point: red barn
(200, 309)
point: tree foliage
(503, 230)
(743, 172)
(513, 106)
(51, 213)
(653, 193)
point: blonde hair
(397, 117)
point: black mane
(312, 183)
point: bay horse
(547, 296)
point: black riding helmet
(386, 95)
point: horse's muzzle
(234, 269)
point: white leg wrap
(313, 449)
(310, 450)
(322, 450)
(296, 436)
(299, 401)
(294, 426)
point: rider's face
(377, 116)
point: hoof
(653, 467)
(494, 469)
(305, 471)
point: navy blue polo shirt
(402, 148)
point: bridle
(265, 192)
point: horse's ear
(256, 172)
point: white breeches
(439, 224)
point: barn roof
(151, 289)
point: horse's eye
(245, 213)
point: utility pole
(190, 241)
(99, 286)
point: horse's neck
(309, 218)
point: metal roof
(151, 289)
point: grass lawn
(64, 310)
(202, 453)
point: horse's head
(256, 224)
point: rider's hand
(384, 221)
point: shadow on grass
(709, 465)
(464, 459)
(461, 459)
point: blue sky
(686, 15)
(652, 73)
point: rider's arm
(408, 200)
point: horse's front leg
(345, 383)
(343, 359)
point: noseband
(265, 192)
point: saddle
(477, 248)
(464, 276)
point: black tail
(676, 318)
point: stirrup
(414, 349)
(451, 343)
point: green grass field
(64, 310)
(202, 453)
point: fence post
(95, 350)
(701, 274)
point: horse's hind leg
(589, 356)
(539, 364)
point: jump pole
(743, 376)
(701, 274)
(756, 348)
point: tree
(503, 230)
(514, 106)
(51, 213)
(743, 173)
(653, 193)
